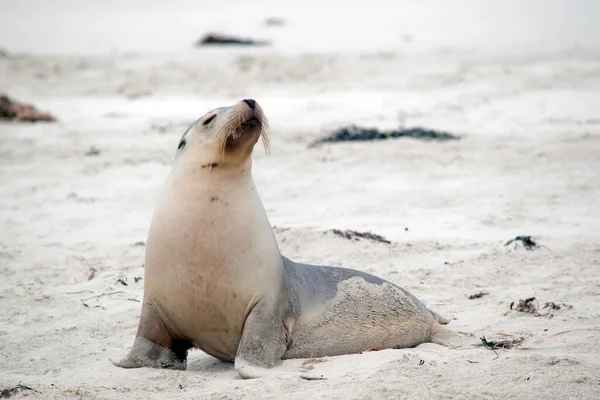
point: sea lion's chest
(210, 254)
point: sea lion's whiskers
(233, 129)
(220, 141)
(264, 134)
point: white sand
(521, 83)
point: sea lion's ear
(183, 141)
(209, 119)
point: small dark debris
(212, 39)
(501, 344)
(137, 279)
(478, 295)
(123, 281)
(13, 110)
(553, 306)
(80, 199)
(355, 133)
(421, 362)
(180, 386)
(355, 235)
(138, 95)
(528, 243)
(274, 21)
(160, 128)
(529, 305)
(405, 229)
(473, 362)
(10, 392)
(138, 244)
(93, 152)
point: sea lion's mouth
(244, 125)
(252, 122)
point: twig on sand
(355, 235)
(79, 292)
(575, 330)
(102, 295)
(83, 301)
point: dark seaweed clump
(355, 133)
(220, 40)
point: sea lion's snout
(251, 103)
(247, 124)
(252, 113)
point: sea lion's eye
(209, 119)
(181, 145)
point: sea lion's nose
(251, 103)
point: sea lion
(216, 280)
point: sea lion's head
(225, 136)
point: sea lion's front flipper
(154, 345)
(265, 339)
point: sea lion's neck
(208, 166)
(201, 209)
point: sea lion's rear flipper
(154, 346)
(439, 318)
(446, 337)
(264, 341)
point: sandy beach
(520, 84)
